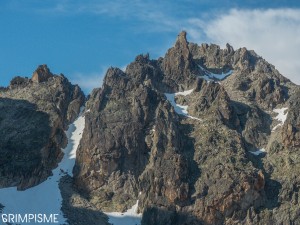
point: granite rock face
(121, 118)
(201, 166)
(33, 116)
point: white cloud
(272, 33)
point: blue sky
(81, 39)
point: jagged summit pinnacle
(229, 48)
(181, 39)
(41, 74)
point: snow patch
(153, 129)
(180, 109)
(258, 152)
(209, 76)
(46, 197)
(184, 93)
(281, 117)
(130, 217)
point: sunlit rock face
(190, 135)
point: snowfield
(184, 93)
(209, 76)
(258, 152)
(281, 117)
(180, 109)
(46, 197)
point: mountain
(34, 114)
(203, 135)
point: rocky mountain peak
(19, 81)
(181, 41)
(142, 58)
(229, 48)
(178, 65)
(183, 135)
(113, 76)
(41, 74)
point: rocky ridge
(185, 170)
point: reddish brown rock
(41, 74)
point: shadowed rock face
(33, 117)
(196, 170)
(24, 132)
